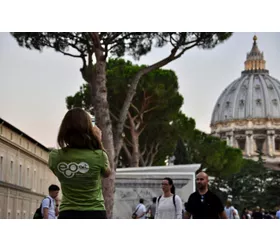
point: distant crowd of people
(202, 204)
(259, 213)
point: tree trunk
(103, 121)
(134, 142)
(135, 150)
(118, 140)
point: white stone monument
(145, 182)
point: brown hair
(76, 131)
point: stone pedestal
(145, 182)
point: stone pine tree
(95, 47)
(155, 105)
(180, 153)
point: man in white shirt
(231, 212)
(49, 208)
(278, 214)
(141, 210)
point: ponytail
(172, 189)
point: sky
(34, 85)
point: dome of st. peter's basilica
(247, 113)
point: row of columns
(231, 139)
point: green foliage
(134, 43)
(84, 44)
(216, 158)
(180, 153)
(80, 99)
(254, 185)
(117, 44)
(158, 90)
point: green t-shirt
(79, 172)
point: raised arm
(106, 170)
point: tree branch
(132, 90)
(144, 151)
(184, 50)
(149, 110)
(96, 40)
(172, 41)
(68, 54)
(56, 48)
(132, 119)
(115, 117)
(116, 42)
(112, 38)
(99, 50)
(154, 154)
(133, 106)
(128, 154)
(147, 158)
(129, 143)
(141, 160)
(142, 129)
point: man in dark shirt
(257, 214)
(203, 204)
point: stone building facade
(247, 113)
(24, 174)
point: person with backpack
(80, 164)
(140, 211)
(168, 205)
(49, 205)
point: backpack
(38, 214)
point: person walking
(49, 205)
(203, 204)
(245, 213)
(257, 214)
(277, 216)
(140, 211)
(230, 210)
(168, 205)
(151, 210)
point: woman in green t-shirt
(79, 165)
